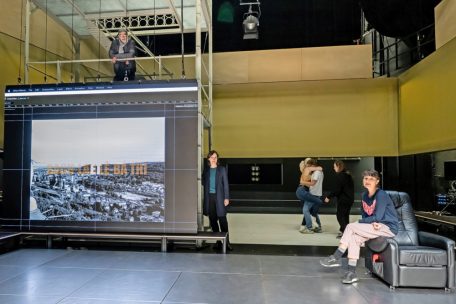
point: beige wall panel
(58, 44)
(427, 109)
(58, 39)
(315, 118)
(9, 61)
(10, 22)
(90, 49)
(271, 66)
(230, 67)
(445, 24)
(55, 39)
(337, 62)
(175, 66)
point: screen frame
(176, 101)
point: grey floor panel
(217, 288)
(312, 290)
(192, 262)
(88, 259)
(100, 301)
(13, 299)
(8, 272)
(376, 289)
(30, 257)
(294, 265)
(126, 285)
(32, 276)
(47, 281)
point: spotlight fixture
(251, 20)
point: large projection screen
(101, 157)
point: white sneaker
(302, 228)
(306, 231)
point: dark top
(379, 209)
(344, 189)
(129, 50)
(222, 191)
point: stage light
(250, 26)
(251, 20)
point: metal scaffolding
(148, 17)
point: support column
(77, 56)
(164, 243)
(210, 32)
(49, 242)
(200, 112)
(27, 41)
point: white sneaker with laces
(306, 231)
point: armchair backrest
(408, 228)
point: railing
(391, 56)
(162, 73)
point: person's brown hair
(212, 152)
(340, 164)
(312, 162)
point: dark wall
(280, 197)
(290, 24)
(1, 174)
(412, 174)
(283, 24)
(399, 18)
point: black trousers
(215, 220)
(124, 71)
(343, 215)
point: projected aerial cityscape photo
(98, 170)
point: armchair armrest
(434, 240)
(379, 244)
(387, 247)
(387, 250)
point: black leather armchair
(412, 258)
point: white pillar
(27, 41)
(200, 115)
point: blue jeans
(311, 209)
(304, 195)
(311, 206)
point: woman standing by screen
(216, 196)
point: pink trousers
(356, 234)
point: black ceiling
(291, 24)
(302, 23)
(399, 18)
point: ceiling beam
(207, 13)
(176, 15)
(148, 12)
(75, 8)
